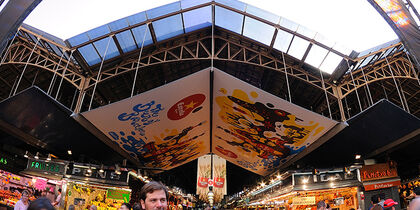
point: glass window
(101, 47)
(366, 61)
(163, 10)
(138, 33)
(191, 3)
(99, 31)
(322, 39)
(342, 49)
(282, 40)
(262, 14)
(316, 55)
(228, 19)
(258, 31)
(168, 27)
(118, 24)
(298, 47)
(331, 62)
(57, 50)
(79, 39)
(136, 18)
(306, 31)
(89, 54)
(288, 24)
(198, 18)
(234, 4)
(126, 41)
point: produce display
(10, 198)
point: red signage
(203, 182)
(185, 106)
(377, 171)
(382, 185)
(219, 182)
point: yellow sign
(304, 201)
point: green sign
(3, 161)
(119, 195)
(39, 165)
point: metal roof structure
(152, 48)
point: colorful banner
(204, 178)
(119, 195)
(164, 127)
(259, 131)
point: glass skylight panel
(331, 62)
(342, 49)
(89, 54)
(196, 19)
(298, 47)
(136, 18)
(101, 47)
(163, 10)
(306, 31)
(288, 24)
(126, 41)
(262, 14)
(138, 33)
(258, 31)
(57, 50)
(191, 3)
(282, 40)
(118, 24)
(168, 27)
(316, 55)
(97, 32)
(366, 61)
(233, 4)
(79, 39)
(228, 19)
(322, 39)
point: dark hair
(71, 207)
(375, 199)
(59, 190)
(127, 205)
(321, 204)
(41, 203)
(26, 192)
(416, 190)
(136, 206)
(151, 187)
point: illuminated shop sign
(108, 176)
(324, 177)
(377, 171)
(44, 166)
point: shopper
(415, 203)
(154, 195)
(23, 203)
(321, 205)
(389, 204)
(136, 206)
(93, 207)
(375, 203)
(41, 203)
(125, 206)
(58, 199)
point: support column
(82, 91)
(339, 95)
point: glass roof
(185, 16)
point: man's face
(155, 201)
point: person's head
(137, 206)
(125, 206)
(375, 199)
(93, 207)
(321, 205)
(41, 203)
(416, 191)
(71, 207)
(390, 204)
(25, 196)
(154, 195)
(59, 191)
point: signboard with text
(377, 171)
(45, 167)
(106, 177)
(382, 185)
(118, 195)
(304, 200)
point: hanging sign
(377, 171)
(108, 176)
(45, 166)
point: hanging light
(37, 155)
(89, 170)
(26, 154)
(117, 169)
(357, 157)
(101, 170)
(49, 157)
(69, 152)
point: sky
(354, 24)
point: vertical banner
(203, 176)
(219, 178)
